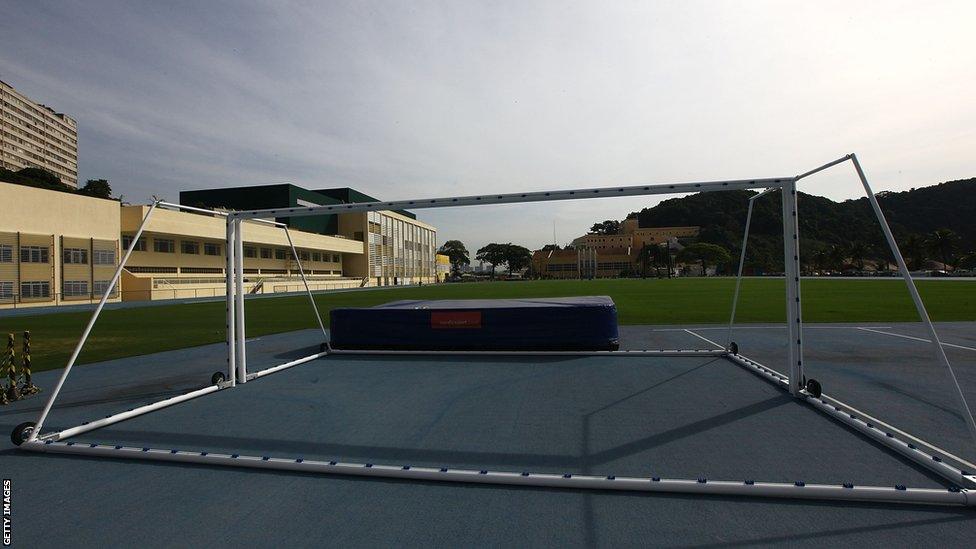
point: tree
(97, 187)
(914, 247)
(968, 261)
(706, 254)
(40, 175)
(943, 242)
(458, 254)
(517, 257)
(606, 227)
(493, 254)
(857, 251)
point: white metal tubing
(239, 301)
(824, 167)
(515, 198)
(286, 365)
(311, 299)
(171, 206)
(129, 414)
(231, 316)
(967, 414)
(791, 261)
(877, 430)
(91, 323)
(633, 353)
(702, 486)
(742, 262)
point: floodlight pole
(91, 324)
(791, 258)
(742, 261)
(913, 291)
(231, 315)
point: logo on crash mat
(455, 320)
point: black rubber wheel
(814, 388)
(734, 348)
(218, 377)
(22, 432)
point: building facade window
(265, 253)
(335, 258)
(34, 254)
(163, 245)
(6, 253)
(140, 245)
(189, 247)
(280, 253)
(6, 289)
(74, 288)
(316, 256)
(211, 249)
(303, 255)
(103, 257)
(250, 251)
(41, 288)
(100, 286)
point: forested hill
(824, 224)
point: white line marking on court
(805, 327)
(717, 346)
(869, 416)
(913, 338)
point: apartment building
(35, 135)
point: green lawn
(129, 332)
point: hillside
(825, 225)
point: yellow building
(55, 247)
(34, 135)
(634, 237)
(58, 247)
(182, 255)
(443, 267)
(396, 249)
(583, 263)
(606, 255)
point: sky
(425, 99)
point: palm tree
(914, 247)
(943, 242)
(857, 250)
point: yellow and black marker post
(9, 370)
(28, 388)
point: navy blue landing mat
(587, 323)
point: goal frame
(942, 463)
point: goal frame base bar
(889, 437)
(702, 486)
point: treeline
(931, 224)
(43, 179)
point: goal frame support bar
(700, 487)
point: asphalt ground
(669, 417)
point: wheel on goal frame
(217, 378)
(22, 432)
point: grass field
(128, 332)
